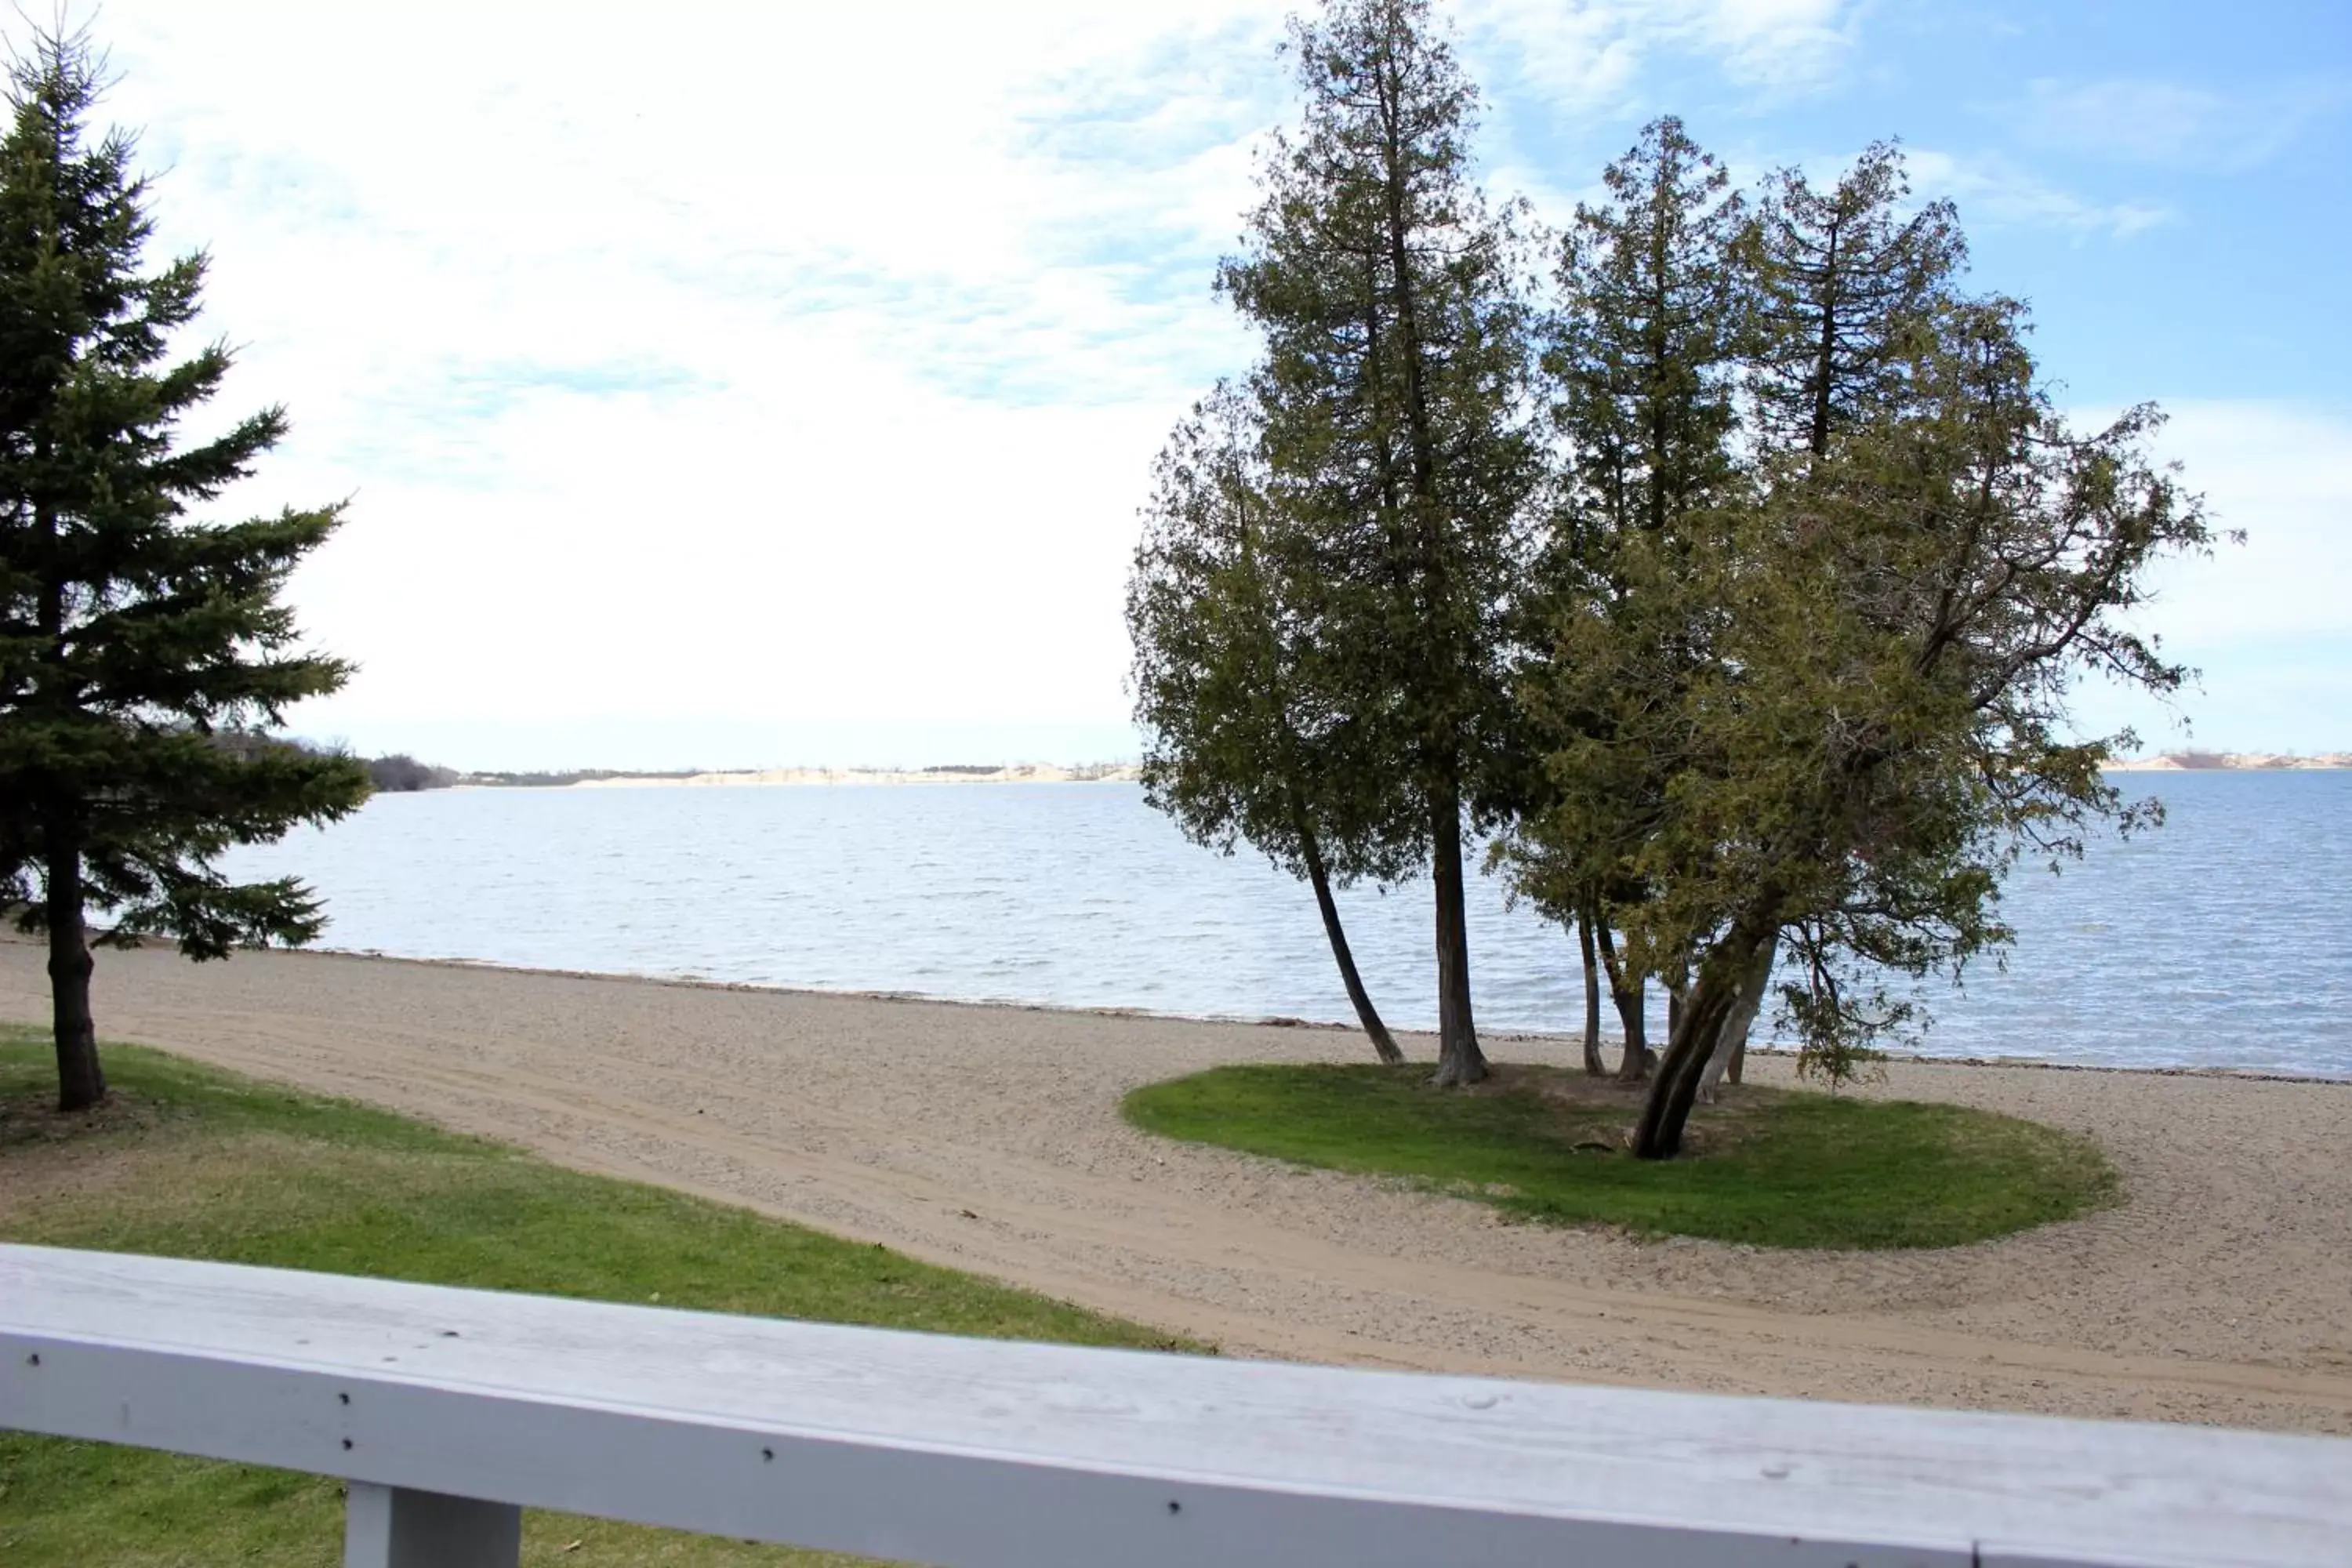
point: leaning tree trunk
(1632, 1019)
(1383, 1041)
(81, 1082)
(1732, 1041)
(1459, 1060)
(1659, 1134)
(1593, 1064)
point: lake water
(2218, 940)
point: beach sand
(989, 1139)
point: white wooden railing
(449, 1410)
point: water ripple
(2218, 940)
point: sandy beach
(988, 1139)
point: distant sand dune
(1128, 772)
(1015, 773)
(2224, 762)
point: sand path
(988, 1139)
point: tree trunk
(1825, 356)
(1675, 1089)
(80, 1083)
(1593, 1064)
(1383, 1042)
(1459, 1060)
(1632, 1017)
(1732, 1041)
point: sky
(737, 386)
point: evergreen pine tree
(1879, 727)
(1393, 388)
(1242, 743)
(1639, 357)
(1847, 288)
(1815, 703)
(1642, 347)
(136, 643)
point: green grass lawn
(187, 1161)
(1768, 1167)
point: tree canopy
(1737, 582)
(1876, 728)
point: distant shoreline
(1130, 773)
(1014, 773)
(415, 777)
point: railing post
(392, 1527)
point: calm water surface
(2218, 940)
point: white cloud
(1589, 58)
(2173, 124)
(2268, 622)
(510, 182)
(1791, 44)
(2284, 475)
(1558, 72)
(779, 368)
(1992, 191)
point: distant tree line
(399, 773)
(395, 774)
(1720, 561)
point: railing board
(951, 1450)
